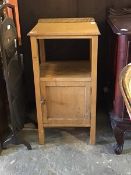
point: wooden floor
(76, 70)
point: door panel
(66, 102)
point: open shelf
(66, 71)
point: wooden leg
(94, 48)
(119, 127)
(119, 135)
(35, 59)
(93, 135)
(41, 133)
(1, 146)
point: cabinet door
(65, 102)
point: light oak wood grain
(76, 28)
(65, 91)
(70, 100)
(35, 59)
(94, 46)
(66, 71)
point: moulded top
(64, 27)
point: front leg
(1, 146)
(119, 136)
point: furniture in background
(13, 78)
(66, 90)
(3, 110)
(4, 128)
(15, 4)
(119, 22)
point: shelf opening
(66, 49)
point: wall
(31, 11)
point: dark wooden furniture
(120, 23)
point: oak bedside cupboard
(65, 90)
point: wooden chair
(125, 86)
(123, 124)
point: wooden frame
(64, 29)
(125, 86)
